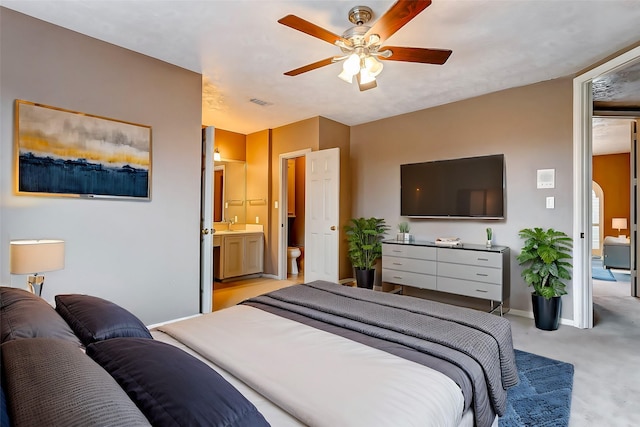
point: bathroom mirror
(229, 191)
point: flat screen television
(471, 187)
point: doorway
(582, 233)
(292, 215)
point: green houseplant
(365, 247)
(403, 232)
(546, 256)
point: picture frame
(65, 153)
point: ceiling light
(352, 64)
(373, 65)
(365, 80)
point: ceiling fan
(361, 44)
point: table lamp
(620, 224)
(34, 257)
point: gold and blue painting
(66, 153)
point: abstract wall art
(66, 153)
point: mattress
(354, 402)
(319, 354)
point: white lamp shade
(619, 223)
(36, 256)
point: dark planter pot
(546, 312)
(364, 278)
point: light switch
(276, 204)
(551, 202)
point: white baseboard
(529, 315)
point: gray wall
(530, 125)
(142, 255)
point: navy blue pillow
(4, 411)
(96, 319)
(171, 387)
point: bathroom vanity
(237, 253)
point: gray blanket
(461, 336)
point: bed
(317, 354)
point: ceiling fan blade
(312, 29)
(396, 17)
(310, 67)
(416, 54)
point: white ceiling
(243, 52)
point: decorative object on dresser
(545, 256)
(365, 237)
(489, 236)
(473, 270)
(36, 256)
(403, 232)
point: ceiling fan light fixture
(365, 80)
(352, 64)
(347, 77)
(373, 66)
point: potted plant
(546, 256)
(403, 232)
(365, 247)
(489, 236)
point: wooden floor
(231, 293)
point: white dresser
(469, 270)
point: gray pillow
(52, 382)
(25, 315)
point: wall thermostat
(546, 178)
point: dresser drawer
(409, 251)
(470, 272)
(458, 256)
(409, 264)
(470, 288)
(417, 280)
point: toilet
(293, 253)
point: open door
(206, 222)
(635, 197)
(322, 202)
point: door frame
(582, 177)
(283, 232)
(206, 226)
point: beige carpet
(606, 358)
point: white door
(635, 200)
(206, 223)
(322, 208)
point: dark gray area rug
(543, 396)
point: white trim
(282, 206)
(582, 114)
(206, 209)
(529, 315)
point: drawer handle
(397, 263)
(483, 259)
(397, 277)
(481, 290)
(482, 274)
(397, 252)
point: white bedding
(318, 378)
